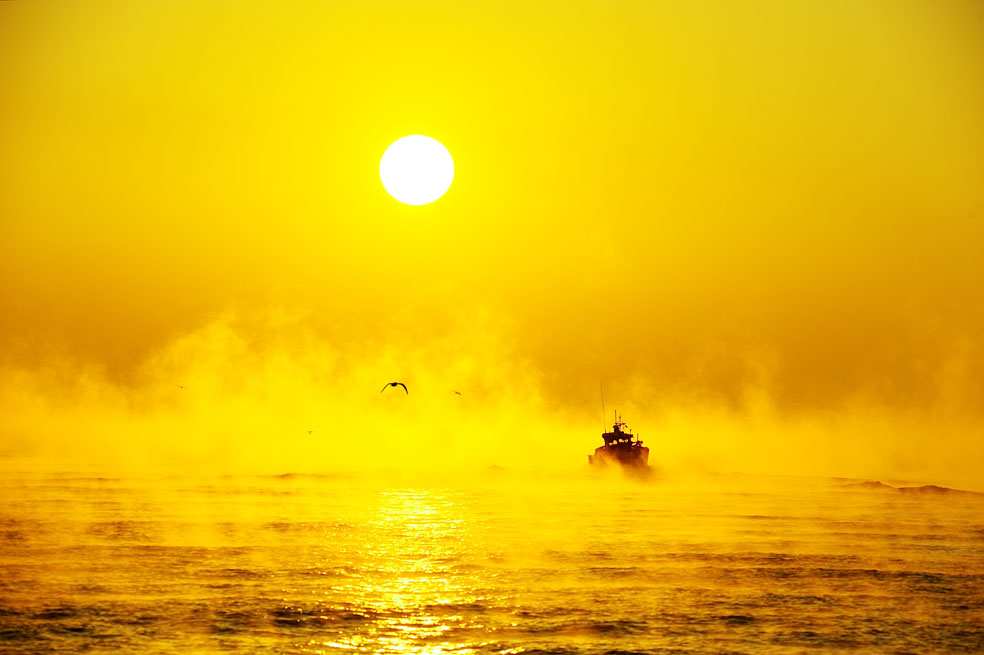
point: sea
(495, 562)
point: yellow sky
(723, 209)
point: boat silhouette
(621, 448)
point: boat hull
(630, 456)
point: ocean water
(497, 564)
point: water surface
(314, 564)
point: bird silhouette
(457, 392)
(394, 384)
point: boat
(621, 447)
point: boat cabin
(619, 434)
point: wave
(922, 490)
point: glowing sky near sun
(760, 223)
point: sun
(416, 170)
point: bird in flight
(394, 384)
(457, 392)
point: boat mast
(601, 385)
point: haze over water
(758, 224)
(503, 563)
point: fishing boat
(621, 447)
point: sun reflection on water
(416, 543)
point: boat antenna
(604, 426)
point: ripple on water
(237, 566)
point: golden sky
(761, 224)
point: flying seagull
(394, 384)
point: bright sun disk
(416, 169)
